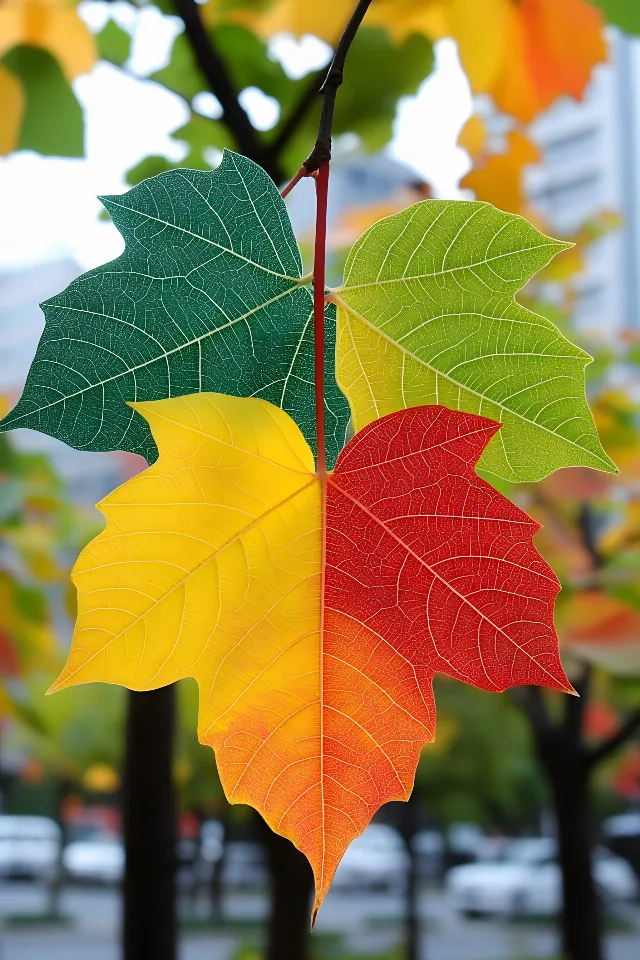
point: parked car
(622, 835)
(97, 858)
(527, 880)
(464, 842)
(29, 848)
(429, 849)
(375, 859)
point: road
(369, 922)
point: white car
(29, 847)
(527, 880)
(98, 859)
(377, 858)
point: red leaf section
(428, 569)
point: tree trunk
(291, 889)
(150, 929)
(563, 757)
(408, 823)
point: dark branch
(321, 153)
(608, 747)
(531, 701)
(217, 76)
(574, 707)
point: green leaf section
(53, 123)
(621, 13)
(114, 44)
(428, 315)
(208, 295)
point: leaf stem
(322, 191)
(289, 187)
(321, 152)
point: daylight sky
(49, 206)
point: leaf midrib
(443, 270)
(198, 236)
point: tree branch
(608, 747)
(321, 152)
(217, 76)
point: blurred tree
(589, 537)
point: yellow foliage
(53, 25)
(100, 778)
(473, 136)
(12, 104)
(499, 179)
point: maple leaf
(427, 314)
(208, 295)
(551, 50)
(313, 612)
(53, 25)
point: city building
(591, 165)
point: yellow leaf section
(53, 25)
(210, 567)
(473, 136)
(12, 104)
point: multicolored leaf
(313, 611)
(427, 315)
(208, 295)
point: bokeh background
(533, 106)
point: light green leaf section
(427, 314)
(208, 296)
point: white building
(591, 164)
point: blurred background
(533, 106)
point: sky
(50, 206)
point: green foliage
(207, 296)
(114, 44)
(484, 770)
(621, 13)
(366, 105)
(53, 123)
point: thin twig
(289, 187)
(217, 76)
(321, 152)
(608, 747)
